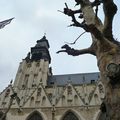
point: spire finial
(44, 33)
(11, 81)
(44, 37)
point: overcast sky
(33, 18)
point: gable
(37, 99)
(69, 97)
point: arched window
(63, 100)
(50, 96)
(102, 116)
(70, 116)
(34, 80)
(35, 116)
(43, 100)
(76, 100)
(96, 99)
(32, 101)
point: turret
(34, 69)
(40, 51)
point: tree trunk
(104, 47)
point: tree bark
(104, 47)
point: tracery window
(35, 116)
(70, 116)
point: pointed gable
(38, 98)
(95, 97)
(69, 97)
(7, 100)
(5, 97)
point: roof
(75, 79)
(43, 39)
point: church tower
(34, 69)
(37, 94)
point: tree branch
(77, 11)
(87, 13)
(71, 13)
(90, 16)
(110, 10)
(96, 3)
(76, 39)
(73, 52)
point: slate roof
(75, 79)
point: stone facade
(37, 94)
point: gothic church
(37, 94)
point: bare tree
(104, 47)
